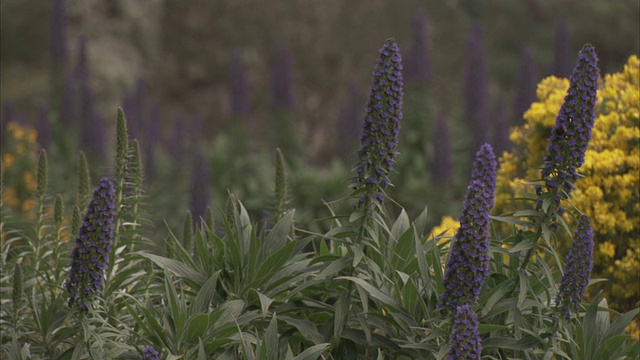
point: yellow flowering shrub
(19, 169)
(609, 192)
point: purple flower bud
(577, 270)
(87, 267)
(385, 102)
(468, 262)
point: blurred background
(210, 88)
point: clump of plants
(88, 283)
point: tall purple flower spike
(577, 269)
(571, 134)
(464, 339)
(468, 262)
(379, 137)
(93, 247)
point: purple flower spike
(93, 246)
(150, 353)
(465, 342)
(468, 262)
(577, 270)
(379, 137)
(571, 134)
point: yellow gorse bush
(18, 168)
(609, 192)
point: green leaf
(524, 288)
(400, 226)
(177, 268)
(313, 352)
(277, 237)
(271, 340)
(265, 302)
(206, 294)
(420, 224)
(611, 347)
(373, 291)
(306, 328)
(197, 326)
(485, 328)
(522, 344)
(341, 313)
(618, 326)
(275, 262)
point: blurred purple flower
(571, 134)
(381, 127)
(150, 138)
(349, 119)
(526, 84)
(464, 341)
(68, 102)
(91, 123)
(238, 86)
(468, 262)
(58, 36)
(561, 50)
(282, 72)
(176, 145)
(577, 271)
(43, 126)
(93, 247)
(476, 90)
(502, 130)
(441, 164)
(199, 189)
(418, 61)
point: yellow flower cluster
(609, 192)
(447, 227)
(18, 169)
